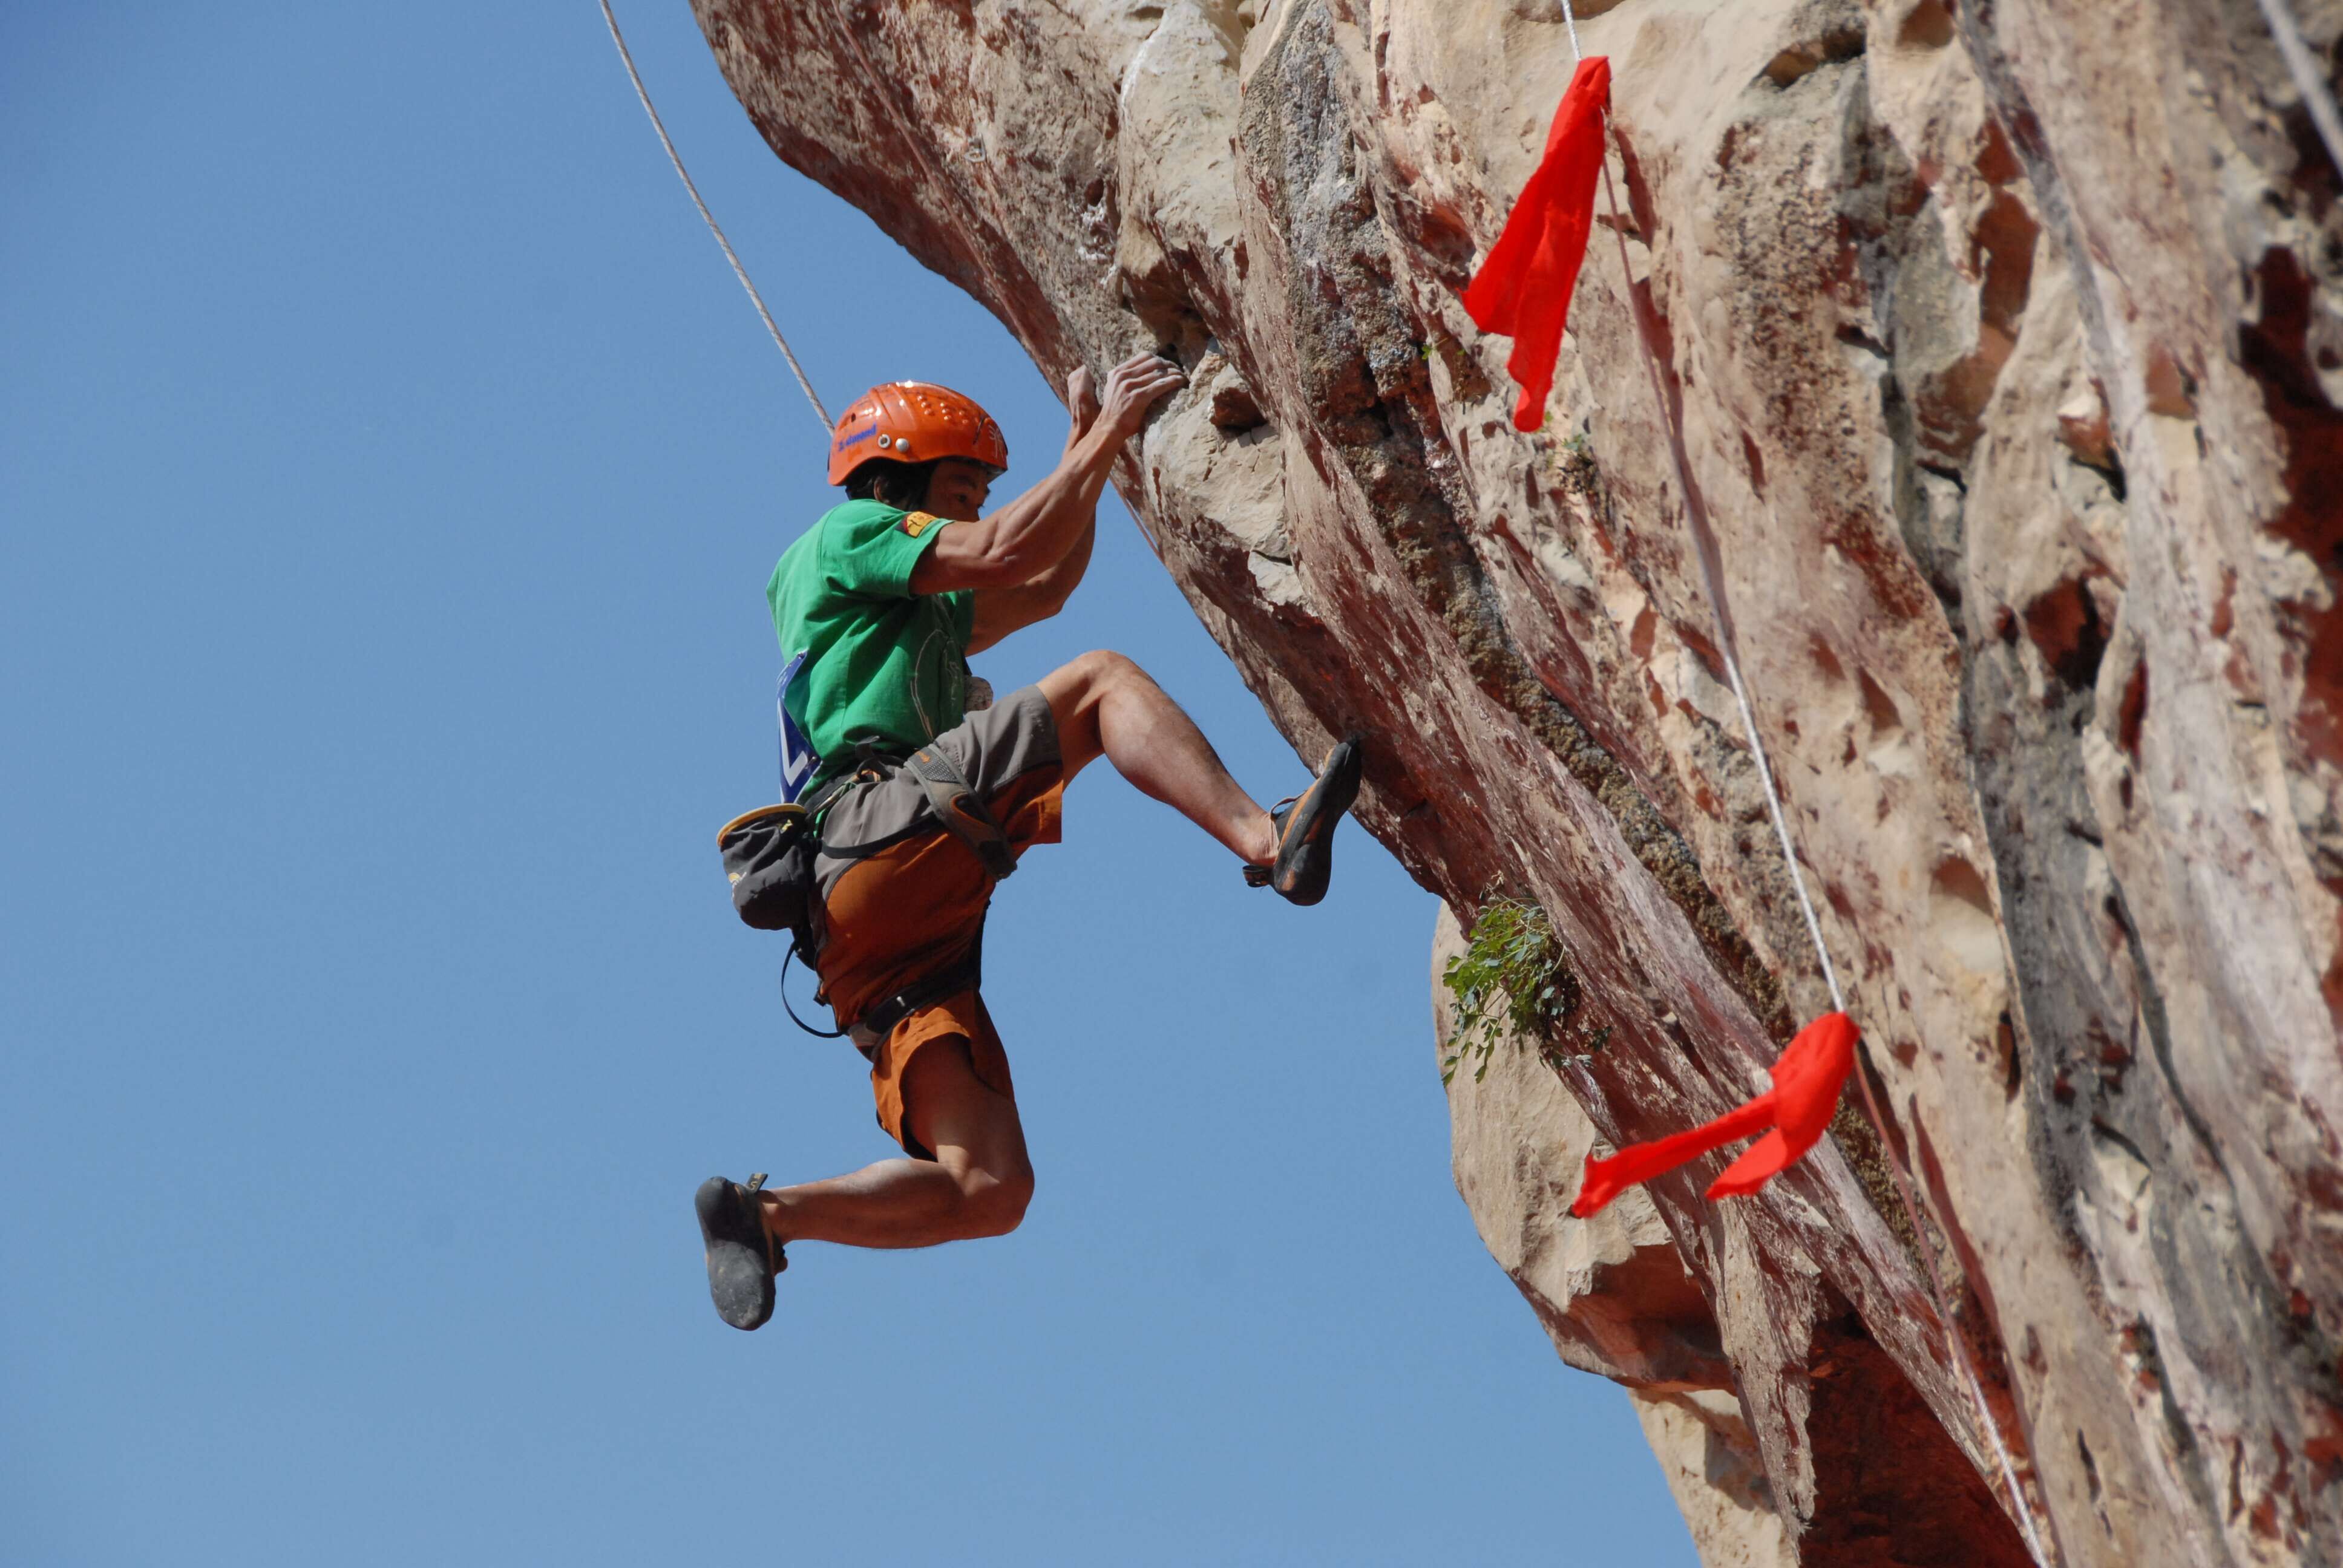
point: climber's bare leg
(1105, 705)
(977, 1184)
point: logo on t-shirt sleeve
(918, 523)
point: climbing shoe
(741, 1260)
(1305, 828)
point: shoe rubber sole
(1305, 850)
(739, 1267)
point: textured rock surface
(1613, 1293)
(2006, 347)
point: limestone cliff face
(2005, 337)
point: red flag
(1524, 282)
(1807, 1078)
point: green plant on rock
(1571, 465)
(1513, 978)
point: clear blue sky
(389, 472)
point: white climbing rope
(2020, 1505)
(1741, 696)
(2316, 95)
(626, 58)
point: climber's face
(958, 488)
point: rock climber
(877, 606)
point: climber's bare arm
(1038, 531)
(999, 611)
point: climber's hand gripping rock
(1133, 387)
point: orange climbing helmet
(914, 422)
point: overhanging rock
(2006, 343)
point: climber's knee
(993, 1203)
(973, 1129)
(1078, 690)
(1086, 678)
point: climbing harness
(879, 1022)
(963, 813)
(626, 58)
(1705, 547)
(959, 809)
(768, 858)
(954, 801)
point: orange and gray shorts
(916, 905)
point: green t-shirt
(880, 661)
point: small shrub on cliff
(1511, 979)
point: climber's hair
(900, 485)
